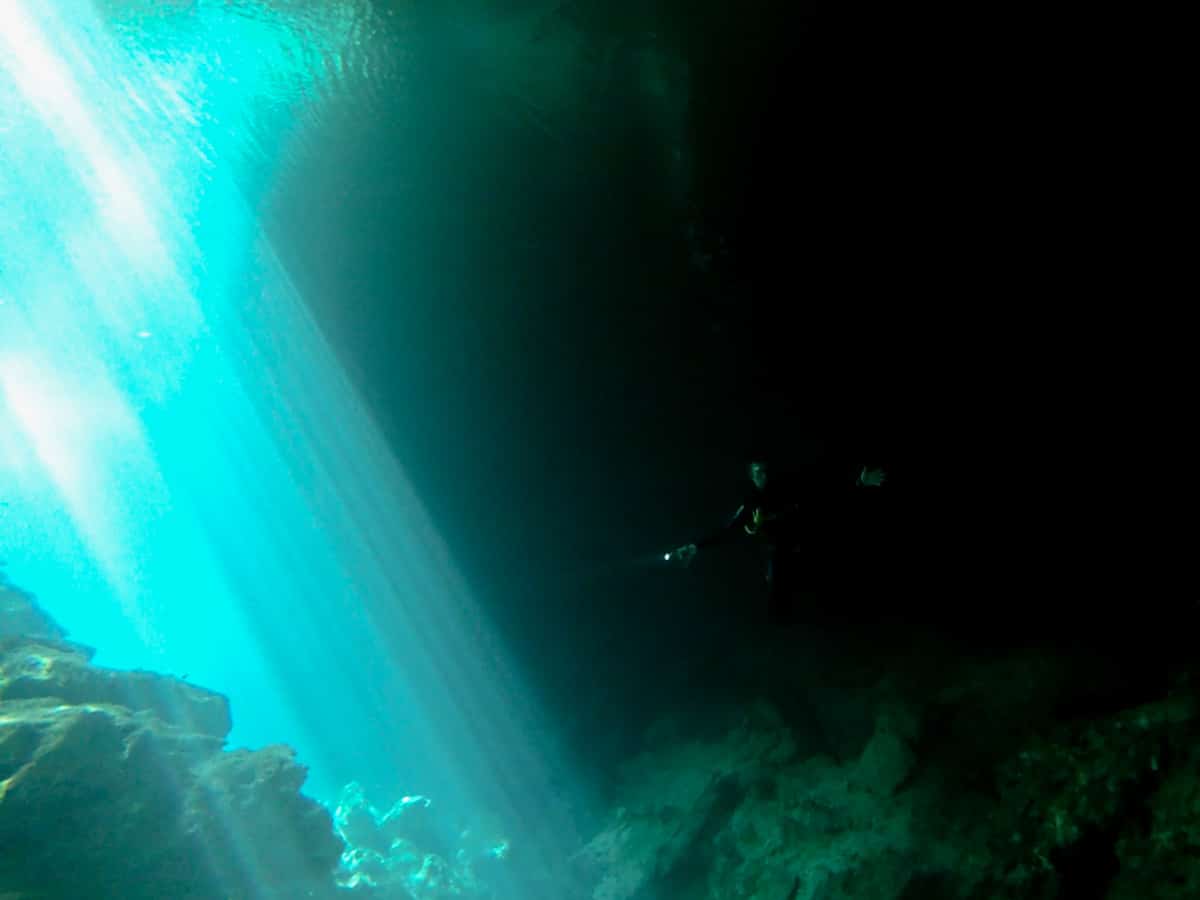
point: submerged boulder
(410, 852)
(116, 785)
(33, 668)
(967, 787)
(20, 615)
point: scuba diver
(788, 516)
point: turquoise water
(190, 482)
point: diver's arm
(687, 552)
(722, 534)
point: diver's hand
(870, 477)
(684, 554)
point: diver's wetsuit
(799, 517)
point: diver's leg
(780, 589)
